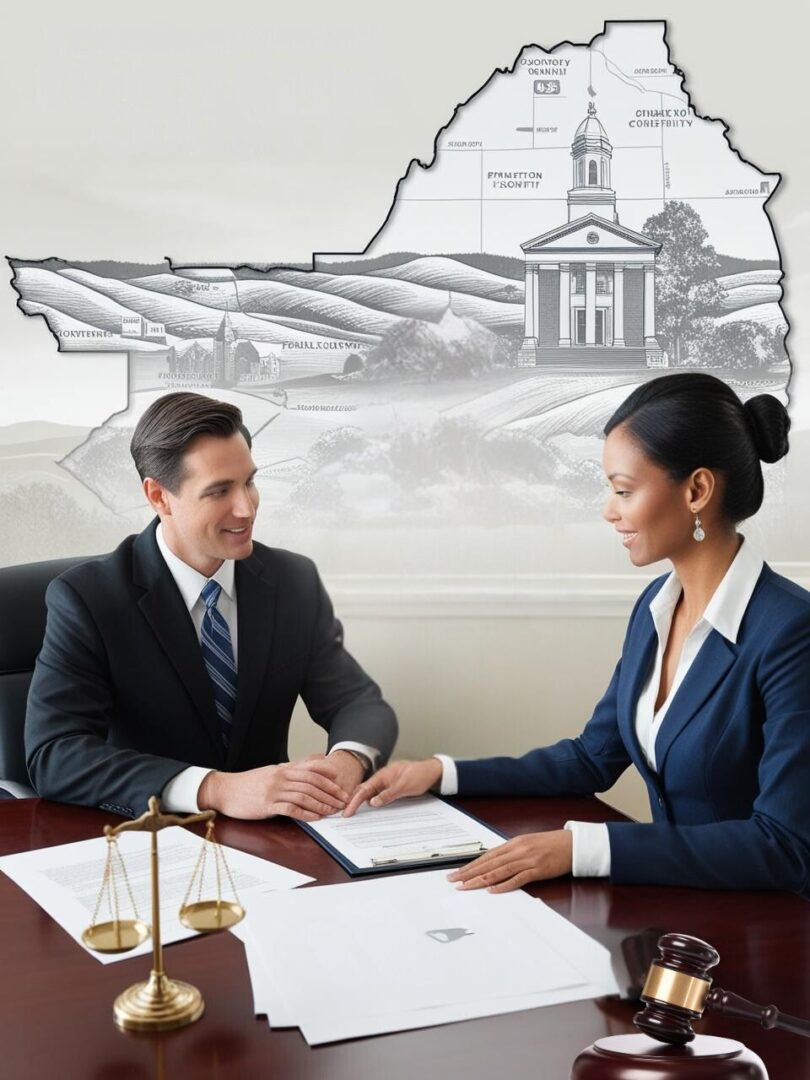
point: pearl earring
(698, 534)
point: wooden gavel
(677, 991)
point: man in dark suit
(172, 666)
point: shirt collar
(726, 609)
(190, 581)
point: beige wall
(478, 686)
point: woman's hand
(396, 781)
(533, 857)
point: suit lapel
(637, 660)
(256, 616)
(709, 667)
(167, 615)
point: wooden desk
(56, 1002)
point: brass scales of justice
(159, 1003)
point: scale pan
(116, 937)
(208, 916)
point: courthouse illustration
(590, 283)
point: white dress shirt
(179, 796)
(724, 613)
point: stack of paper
(374, 956)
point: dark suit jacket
(121, 701)
(731, 798)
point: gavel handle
(721, 1001)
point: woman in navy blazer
(711, 698)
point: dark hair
(692, 420)
(169, 426)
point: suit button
(660, 800)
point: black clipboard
(433, 861)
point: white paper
(268, 995)
(65, 880)
(423, 826)
(344, 961)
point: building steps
(598, 355)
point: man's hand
(396, 781)
(532, 857)
(308, 790)
(350, 770)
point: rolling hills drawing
(579, 229)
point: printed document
(65, 881)
(406, 831)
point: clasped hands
(308, 790)
(531, 857)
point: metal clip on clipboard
(452, 851)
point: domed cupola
(591, 152)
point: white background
(218, 132)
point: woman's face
(648, 509)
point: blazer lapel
(636, 663)
(708, 668)
(168, 617)
(256, 616)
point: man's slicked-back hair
(170, 425)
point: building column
(649, 304)
(527, 354)
(655, 355)
(590, 304)
(618, 305)
(530, 307)
(565, 305)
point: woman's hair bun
(770, 423)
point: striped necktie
(217, 650)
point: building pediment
(591, 232)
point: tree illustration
(453, 348)
(451, 468)
(744, 345)
(50, 523)
(685, 289)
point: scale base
(637, 1057)
(159, 1004)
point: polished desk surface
(56, 1011)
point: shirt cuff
(179, 796)
(359, 748)
(449, 783)
(591, 851)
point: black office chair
(22, 627)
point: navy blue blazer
(731, 798)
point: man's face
(210, 517)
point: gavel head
(676, 988)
